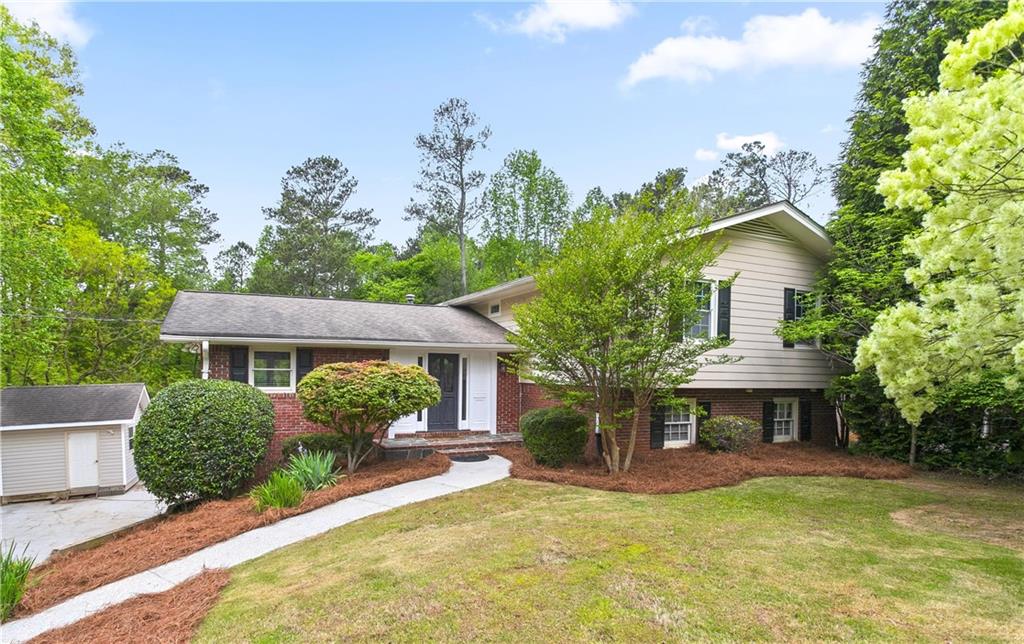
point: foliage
(526, 212)
(234, 266)
(965, 172)
(202, 439)
(280, 490)
(313, 470)
(554, 436)
(431, 274)
(606, 331)
(14, 571)
(308, 248)
(360, 400)
(729, 434)
(446, 178)
(312, 442)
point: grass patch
(770, 559)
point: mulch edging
(179, 535)
(170, 616)
(686, 470)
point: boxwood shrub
(729, 434)
(313, 442)
(554, 436)
(202, 439)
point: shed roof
(69, 404)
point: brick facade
(508, 394)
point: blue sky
(608, 93)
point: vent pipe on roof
(410, 298)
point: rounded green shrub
(729, 434)
(202, 439)
(554, 436)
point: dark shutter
(239, 364)
(303, 363)
(724, 311)
(788, 309)
(804, 410)
(657, 427)
(768, 422)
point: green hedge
(313, 442)
(202, 439)
(554, 436)
(729, 433)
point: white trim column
(205, 350)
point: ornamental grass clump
(14, 571)
(313, 470)
(280, 491)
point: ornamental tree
(607, 331)
(360, 400)
(964, 171)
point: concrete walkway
(255, 543)
(43, 527)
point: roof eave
(345, 342)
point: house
(272, 341)
(68, 440)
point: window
(494, 308)
(679, 426)
(785, 420)
(272, 369)
(702, 329)
(131, 437)
(798, 305)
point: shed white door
(83, 459)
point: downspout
(205, 349)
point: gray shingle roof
(236, 315)
(57, 404)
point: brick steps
(409, 446)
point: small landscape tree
(610, 328)
(360, 400)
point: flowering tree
(965, 171)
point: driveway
(46, 526)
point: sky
(607, 92)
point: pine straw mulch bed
(170, 616)
(178, 535)
(685, 470)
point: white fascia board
(811, 232)
(92, 423)
(355, 344)
(515, 287)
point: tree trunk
(462, 239)
(913, 445)
(632, 439)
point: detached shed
(68, 440)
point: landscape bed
(178, 535)
(686, 470)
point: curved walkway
(255, 543)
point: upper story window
(494, 308)
(793, 308)
(705, 325)
(272, 369)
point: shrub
(313, 470)
(202, 439)
(13, 575)
(313, 442)
(360, 400)
(279, 491)
(554, 436)
(729, 434)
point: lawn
(770, 559)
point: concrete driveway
(45, 527)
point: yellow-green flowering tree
(964, 171)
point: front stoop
(406, 446)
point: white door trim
(83, 458)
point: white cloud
(704, 154)
(828, 129)
(734, 142)
(55, 18)
(808, 39)
(553, 19)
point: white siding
(505, 317)
(768, 262)
(34, 460)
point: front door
(83, 460)
(444, 416)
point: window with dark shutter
(706, 406)
(768, 422)
(239, 364)
(303, 363)
(657, 427)
(788, 309)
(805, 419)
(724, 311)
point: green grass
(771, 559)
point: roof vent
(410, 298)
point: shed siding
(110, 455)
(34, 460)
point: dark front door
(444, 415)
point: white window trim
(491, 313)
(713, 319)
(290, 389)
(667, 444)
(794, 434)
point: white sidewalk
(255, 543)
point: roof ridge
(69, 386)
(320, 299)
